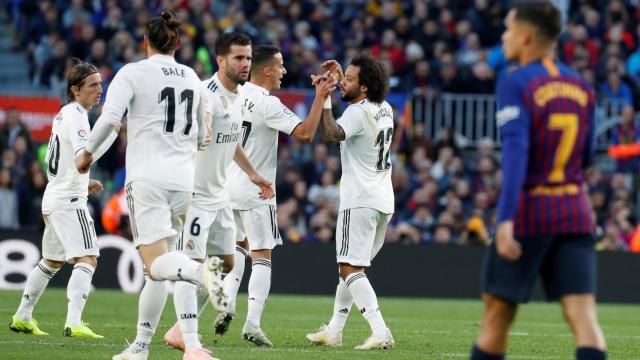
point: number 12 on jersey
(383, 141)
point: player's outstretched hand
(315, 79)
(83, 161)
(95, 187)
(325, 87)
(508, 248)
(266, 188)
(334, 68)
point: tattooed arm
(330, 131)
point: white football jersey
(162, 99)
(67, 188)
(365, 156)
(212, 164)
(263, 116)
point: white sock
(78, 291)
(184, 297)
(366, 301)
(150, 305)
(202, 298)
(37, 281)
(176, 266)
(259, 285)
(341, 307)
(234, 278)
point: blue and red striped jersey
(546, 121)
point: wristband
(327, 103)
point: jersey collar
(162, 58)
(79, 108)
(258, 87)
(226, 91)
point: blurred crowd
(445, 193)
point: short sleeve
(352, 121)
(279, 117)
(77, 128)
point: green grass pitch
(423, 329)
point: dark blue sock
(477, 354)
(587, 353)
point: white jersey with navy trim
(365, 157)
(67, 188)
(212, 164)
(263, 116)
(163, 101)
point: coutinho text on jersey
(548, 108)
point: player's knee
(498, 312)
(261, 254)
(228, 264)
(53, 263)
(348, 269)
(89, 260)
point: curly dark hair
(372, 75)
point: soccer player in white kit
(263, 117)
(69, 233)
(364, 131)
(210, 229)
(167, 122)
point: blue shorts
(566, 264)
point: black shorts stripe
(179, 244)
(87, 225)
(348, 228)
(346, 219)
(132, 216)
(273, 223)
(356, 277)
(85, 231)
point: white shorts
(208, 233)
(69, 234)
(259, 226)
(360, 234)
(155, 213)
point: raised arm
(119, 95)
(307, 129)
(330, 131)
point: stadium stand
(444, 58)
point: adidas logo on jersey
(188, 316)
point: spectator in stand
(9, 201)
(12, 129)
(616, 90)
(627, 133)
